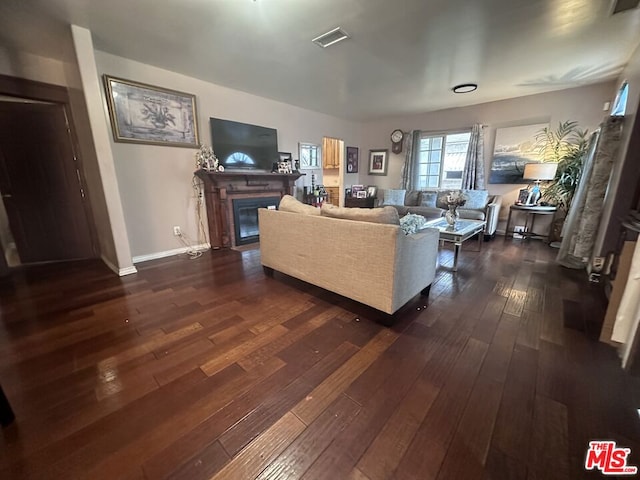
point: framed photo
(285, 157)
(378, 162)
(513, 149)
(372, 191)
(361, 194)
(146, 114)
(523, 195)
(352, 160)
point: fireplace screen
(245, 217)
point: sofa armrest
(492, 214)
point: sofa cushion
(476, 198)
(471, 214)
(412, 198)
(394, 197)
(290, 204)
(428, 199)
(427, 212)
(387, 215)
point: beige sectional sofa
(373, 263)
(431, 204)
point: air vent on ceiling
(334, 36)
(624, 5)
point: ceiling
(404, 55)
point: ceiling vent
(624, 5)
(334, 36)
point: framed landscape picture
(352, 159)
(378, 160)
(513, 149)
(143, 113)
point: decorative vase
(452, 215)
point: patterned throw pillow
(394, 197)
(428, 199)
(476, 198)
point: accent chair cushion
(476, 198)
(394, 197)
(387, 215)
(290, 204)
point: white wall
(584, 105)
(155, 181)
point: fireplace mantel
(222, 187)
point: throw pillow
(290, 204)
(394, 197)
(412, 198)
(441, 200)
(428, 199)
(388, 215)
(476, 198)
(411, 223)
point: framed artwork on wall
(352, 160)
(514, 148)
(142, 113)
(378, 160)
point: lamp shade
(540, 171)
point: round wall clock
(396, 140)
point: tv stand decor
(221, 188)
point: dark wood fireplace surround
(221, 188)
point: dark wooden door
(40, 184)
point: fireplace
(226, 191)
(245, 217)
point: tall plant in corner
(566, 146)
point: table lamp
(538, 172)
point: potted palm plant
(566, 146)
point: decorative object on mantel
(207, 160)
(455, 199)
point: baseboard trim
(169, 253)
(121, 272)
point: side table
(531, 211)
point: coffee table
(462, 231)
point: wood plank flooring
(207, 368)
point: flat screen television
(240, 146)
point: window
(620, 104)
(309, 155)
(441, 160)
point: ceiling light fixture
(465, 88)
(333, 36)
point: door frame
(33, 90)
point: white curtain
(411, 148)
(473, 173)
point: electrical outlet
(176, 231)
(597, 264)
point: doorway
(47, 214)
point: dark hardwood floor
(208, 368)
